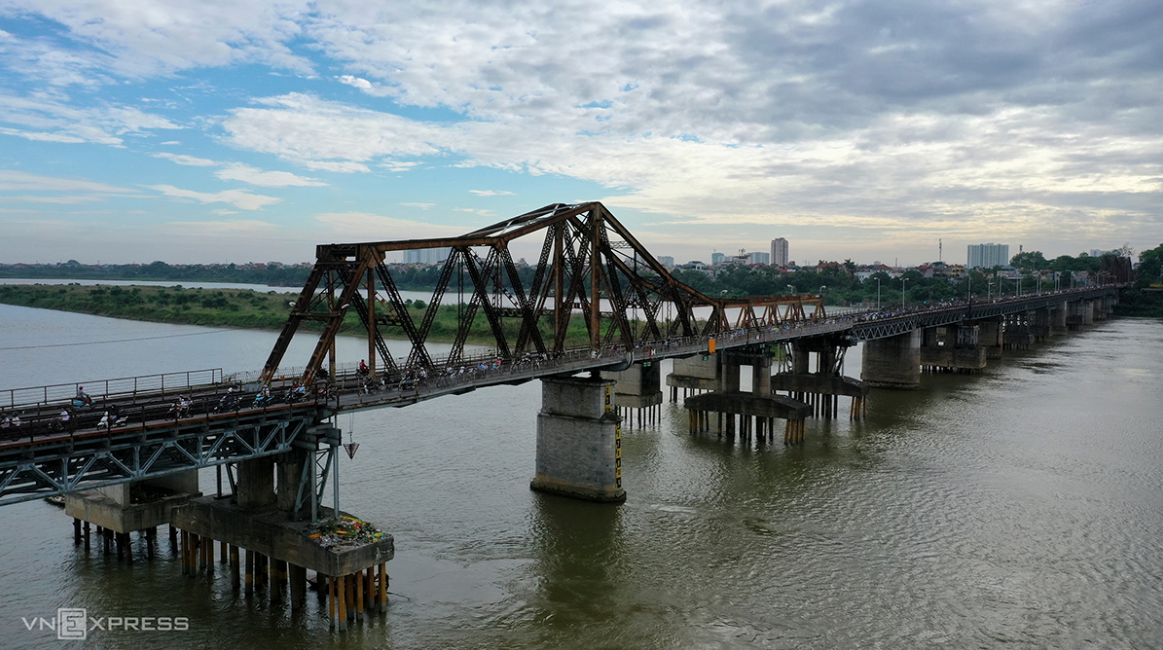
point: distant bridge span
(624, 307)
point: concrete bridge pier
(119, 510)
(952, 348)
(267, 527)
(821, 389)
(1087, 312)
(989, 336)
(579, 440)
(1040, 325)
(1017, 333)
(638, 393)
(694, 375)
(893, 362)
(1058, 314)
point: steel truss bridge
(618, 306)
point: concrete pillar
(256, 483)
(761, 376)
(297, 575)
(289, 469)
(1088, 312)
(893, 362)
(730, 376)
(799, 357)
(579, 440)
(990, 337)
(1058, 318)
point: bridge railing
(103, 390)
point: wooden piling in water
(249, 572)
(234, 577)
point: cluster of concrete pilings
(259, 543)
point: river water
(1022, 507)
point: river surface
(1019, 508)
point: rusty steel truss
(607, 280)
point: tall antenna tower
(939, 250)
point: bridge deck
(148, 403)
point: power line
(144, 338)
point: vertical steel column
(371, 322)
(595, 282)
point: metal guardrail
(124, 388)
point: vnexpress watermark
(72, 623)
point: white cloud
(365, 226)
(366, 86)
(491, 193)
(218, 228)
(52, 119)
(240, 199)
(12, 180)
(422, 206)
(338, 167)
(42, 137)
(328, 135)
(253, 176)
(183, 159)
(880, 117)
(150, 37)
(170, 142)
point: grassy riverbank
(238, 308)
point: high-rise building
(666, 261)
(779, 251)
(988, 255)
(717, 258)
(426, 255)
(758, 258)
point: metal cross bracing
(594, 285)
(63, 462)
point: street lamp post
(903, 281)
(791, 289)
(878, 294)
(988, 291)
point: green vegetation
(1146, 298)
(268, 274)
(244, 309)
(228, 308)
(406, 276)
(839, 287)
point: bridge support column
(730, 375)
(694, 375)
(256, 483)
(579, 440)
(639, 390)
(1058, 319)
(1088, 312)
(990, 338)
(127, 507)
(893, 362)
(761, 376)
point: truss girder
(589, 264)
(69, 464)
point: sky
(236, 131)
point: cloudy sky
(232, 130)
